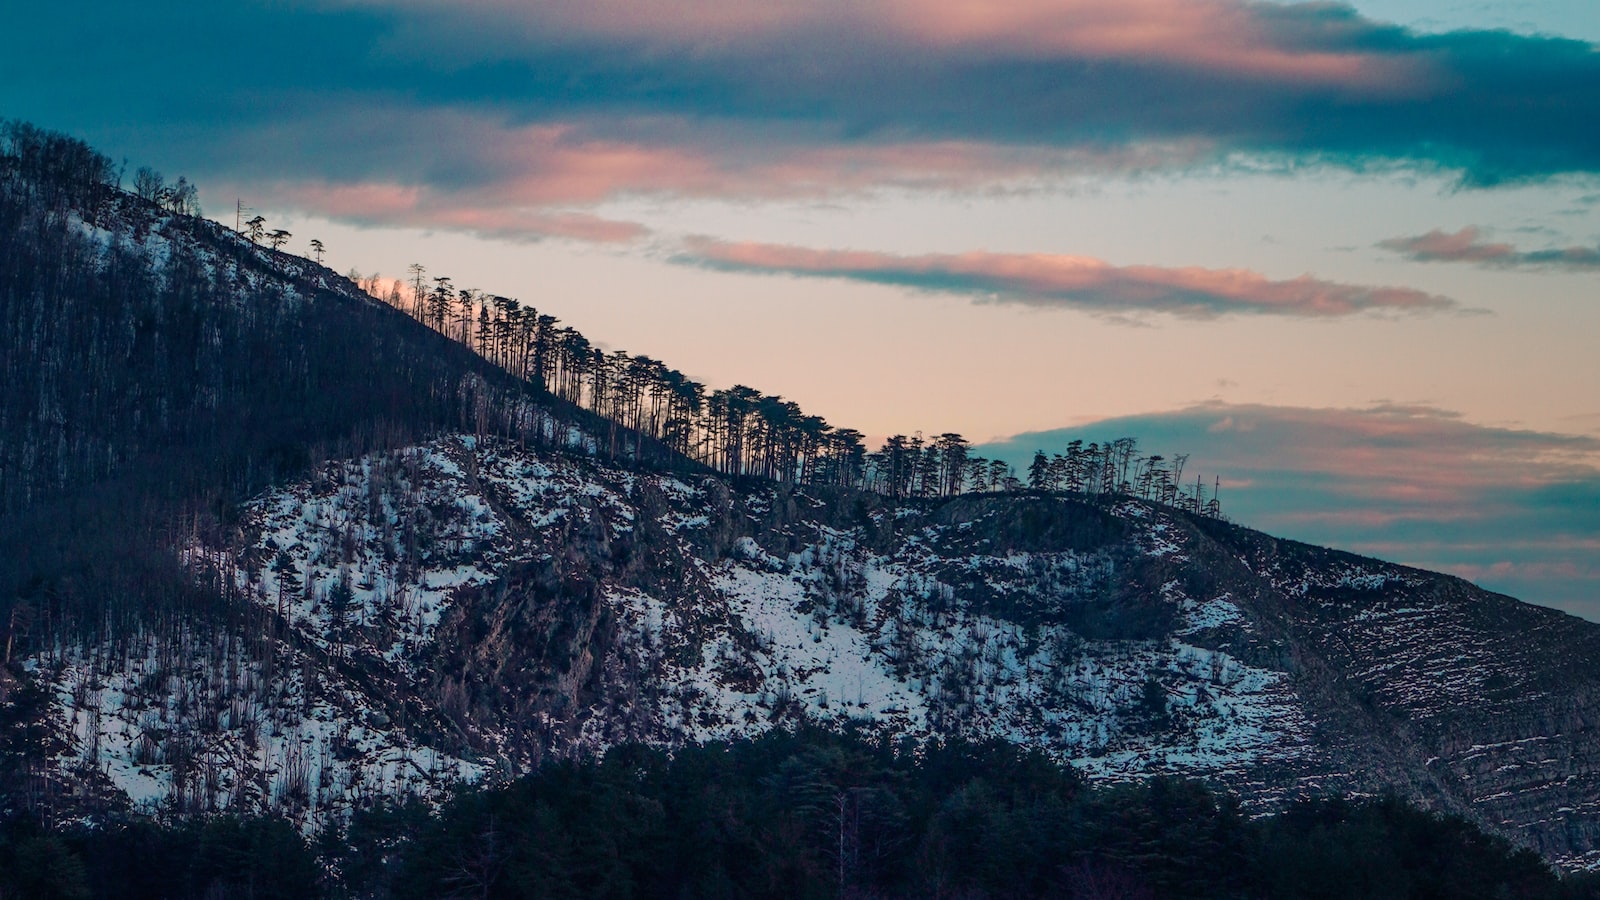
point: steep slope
(505, 605)
(1496, 699)
(158, 368)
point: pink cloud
(1215, 35)
(1229, 37)
(525, 180)
(1398, 463)
(1051, 280)
(1467, 245)
(413, 206)
(570, 163)
(1463, 245)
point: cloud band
(1059, 281)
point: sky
(1344, 256)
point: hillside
(505, 606)
(159, 369)
(278, 546)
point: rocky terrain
(465, 608)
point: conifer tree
(288, 577)
(341, 598)
(1039, 471)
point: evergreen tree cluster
(1116, 467)
(740, 431)
(801, 814)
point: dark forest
(803, 814)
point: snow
(1218, 612)
(916, 640)
(194, 724)
(840, 633)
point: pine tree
(288, 577)
(341, 599)
(1039, 471)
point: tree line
(738, 431)
(741, 431)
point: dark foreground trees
(222, 857)
(808, 814)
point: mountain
(275, 545)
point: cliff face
(465, 608)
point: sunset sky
(1345, 256)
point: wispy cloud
(1515, 510)
(1077, 282)
(1468, 245)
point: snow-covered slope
(743, 637)
(465, 608)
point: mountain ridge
(462, 584)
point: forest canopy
(809, 813)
